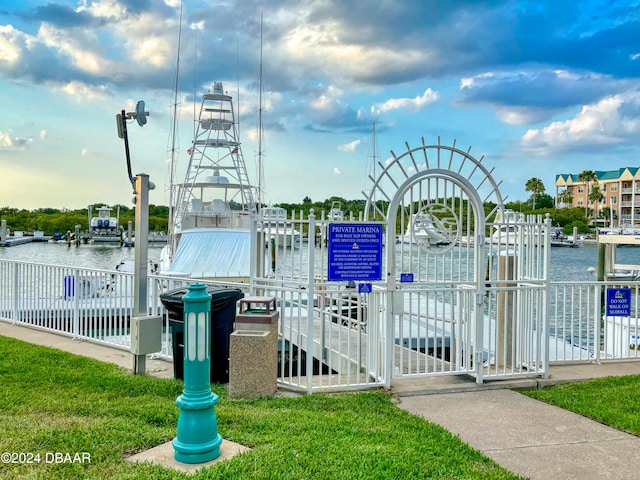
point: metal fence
(330, 336)
(82, 303)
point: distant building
(621, 195)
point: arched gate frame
(432, 199)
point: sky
(534, 88)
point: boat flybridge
(212, 206)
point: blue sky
(537, 88)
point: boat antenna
(260, 126)
(174, 133)
(238, 81)
(374, 160)
(195, 85)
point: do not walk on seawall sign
(618, 302)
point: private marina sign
(355, 251)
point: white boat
(335, 213)
(104, 223)
(209, 235)
(427, 230)
(559, 239)
(507, 231)
(276, 225)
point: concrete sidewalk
(531, 438)
(527, 437)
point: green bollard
(197, 440)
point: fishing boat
(209, 235)
(335, 213)
(104, 223)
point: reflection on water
(104, 257)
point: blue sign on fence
(618, 302)
(355, 251)
(406, 277)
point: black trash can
(223, 314)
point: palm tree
(566, 197)
(536, 187)
(596, 196)
(587, 176)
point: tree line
(51, 220)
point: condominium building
(620, 195)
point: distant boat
(104, 223)
(427, 230)
(274, 224)
(558, 239)
(210, 234)
(335, 213)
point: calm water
(104, 257)
(566, 263)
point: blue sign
(364, 288)
(618, 302)
(406, 277)
(355, 251)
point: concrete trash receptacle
(253, 349)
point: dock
(22, 239)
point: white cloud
(43, 134)
(349, 147)
(104, 9)
(153, 50)
(607, 122)
(81, 91)
(416, 104)
(76, 47)
(327, 100)
(7, 142)
(337, 171)
(468, 82)
(9, 51)
(518, 115)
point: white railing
(82, 303)
(332, 338)
(579, 330)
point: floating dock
(20, 239)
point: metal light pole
(146, 331)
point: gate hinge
(480, 240)
(479, 299)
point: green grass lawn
(614, 401)
(54, 402)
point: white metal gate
(457, 296)
(443, 306)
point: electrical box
(146, 334)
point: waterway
(98, 256)
(567, 264)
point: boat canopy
(213, 253)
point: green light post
(197, 440)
